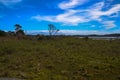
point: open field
(60, 59)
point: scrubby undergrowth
(60, 59)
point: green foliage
(41, 37)
(18, 26)
(62, 58)
(21, 32)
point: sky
(71, 17)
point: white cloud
(109, 24)
(114, 9)
(34, 32)
(66, 18)
(9, 2)
(78, 32)
(64, 32)
(46, 18)
(71, 4)
(98, 6)
(72, 32)
(74, 17)
(96, 13)
(87, 32)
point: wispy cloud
(66, 18)
(71, 4)
(108, 3)
(72, 16)
(9, 2)
(114, 9)
(109, 24)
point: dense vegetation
(2, 33)
(60, 59)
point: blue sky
(70, 16)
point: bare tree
(52, 29)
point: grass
(60, 59)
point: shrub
(2, 33)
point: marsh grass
(60, 59)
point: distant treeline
(2, 33)
(12, 33)
(95, 35)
